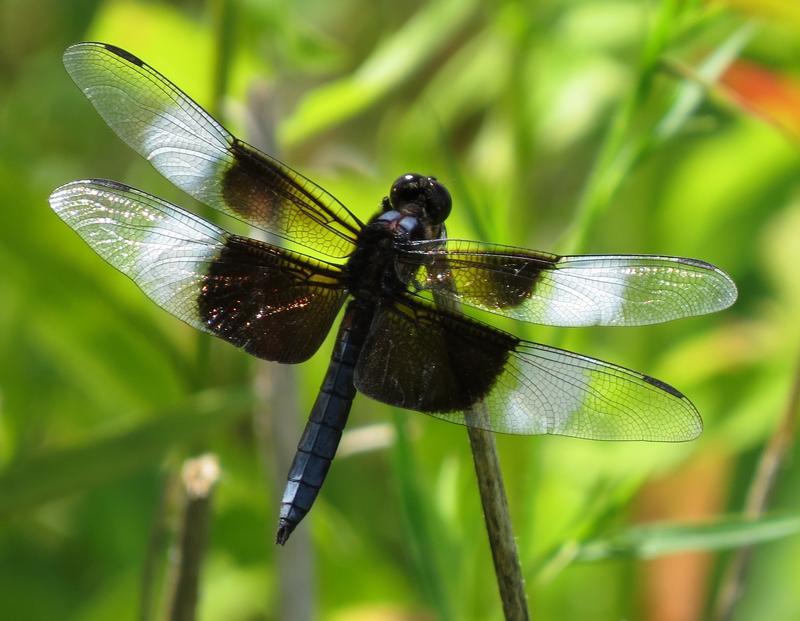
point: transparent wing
(198, 155)
(606, 290)
(421, 358)
(274, 304)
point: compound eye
(437, 201)
(407, 189)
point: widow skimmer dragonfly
(402, 339)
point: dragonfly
(403, 339)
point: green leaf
(656, 540)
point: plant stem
(199, 477)
(495, 507)
(498, 524)
(758, 497)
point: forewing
(275, 304)
(604, 290)
(463, 371)
(198, 155)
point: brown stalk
(198, 477)
(496, 515)
(498, 524)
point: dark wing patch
(418, 358)
(422, 358)
(275, 304)
(264, 300)
(607, 290)
(201, 157)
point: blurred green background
(602, 126)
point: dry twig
(198, 476)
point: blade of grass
(494, 501)
(651, 541)
(623, 149)
(694, 85)
(603, 506)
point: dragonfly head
(421, 196)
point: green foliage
(663, 539)
(591, 125)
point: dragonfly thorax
(371, 269)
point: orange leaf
(767, 94)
